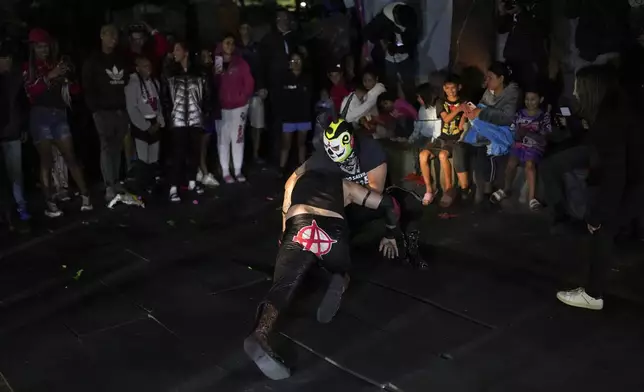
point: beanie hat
(37, 36)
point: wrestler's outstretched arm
(357, 194)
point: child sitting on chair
(530, 128)
(447, 145)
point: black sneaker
(22, 227)
(467, 194)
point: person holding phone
(450, 109)
(530, 127)
(50, 84)
(616, 174)
(497, 109)
(236, 87)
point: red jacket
(42, 93)
(236, 85)
(338, 93)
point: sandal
(534, 205)
(428, 198)
(498, 196)
(447, 199)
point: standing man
(395, 31)
(276, 49)
(527, 23)
(105, 76)
(250, 51)
(13, 105)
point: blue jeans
(48, 124)
(12, 153)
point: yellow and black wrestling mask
(339, 141)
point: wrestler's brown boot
(258, 349)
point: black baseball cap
(334, 66)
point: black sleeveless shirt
(320, 190)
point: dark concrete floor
(160, 299)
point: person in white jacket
(351, 103)
(144, 110)
(369, 105)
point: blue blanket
(499, 139)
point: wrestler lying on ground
(314, 231)
(361, 159)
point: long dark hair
(500, 68)
(428, 94)
(597, 88)
(53, 58)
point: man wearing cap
(105, 76)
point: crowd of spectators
(156, 104)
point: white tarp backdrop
(436, 31)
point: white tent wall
(436, 36)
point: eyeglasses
(296, 61)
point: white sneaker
(579, 299)
(209, 180)
(498, 196)
(192, 185)
(200, 176)
(174, 195)
(51, 210)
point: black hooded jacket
(13, 105)
(602, 27)
(527, 32)
(384, 27)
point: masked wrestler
(362, 160)
(315, 231)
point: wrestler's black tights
(293, 261)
